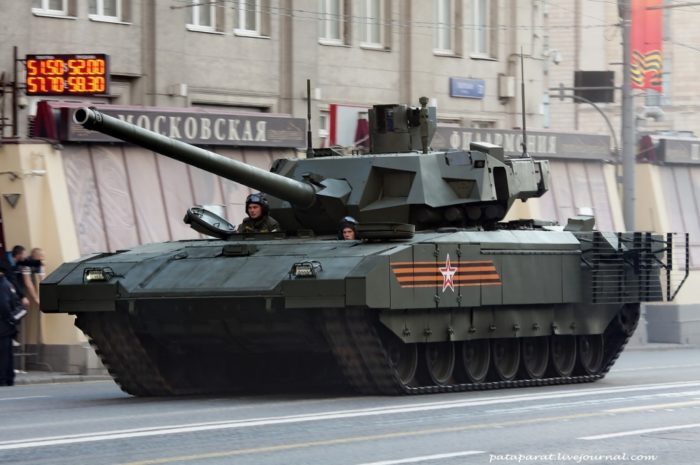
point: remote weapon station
(437, 294)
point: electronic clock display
(85, 74)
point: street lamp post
(578, 98)
(628, 121)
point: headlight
(305, 269)
(93, 275)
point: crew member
(259, 219)
(347, 230)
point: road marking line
(638, 432)
(25, 397)
(354, 439)
(321, 416)
(641, 408)
(598, 402)
(427, 458)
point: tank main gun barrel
(291, 190)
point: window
(331, 23)
(482, 124)
(449, 121)
(248, 21)
(484, 28)
(652, 98)
(54, 7)
(371, 22)
(443, 26)
(203, 16)
(323, 124)
(105, 9)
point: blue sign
(467, 88)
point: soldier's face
(348, 234)
(254, 211)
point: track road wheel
(562, 355)
(534, 353)
(505, 358)
(403, 358)
(590, 353)
(440, 362)
(475, 360)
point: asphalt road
(647, 410)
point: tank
(438, 294)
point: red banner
(646, 59)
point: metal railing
(635, 267)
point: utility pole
(15, 92)
(628, 119)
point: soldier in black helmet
(347, 229)
(259, 219)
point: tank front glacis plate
(200, 269)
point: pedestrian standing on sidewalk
(10, 268)
(8, 330)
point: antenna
(309, 143)
(522, 101)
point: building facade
(256, 55)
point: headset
(260, 199)
(347, 222)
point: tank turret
(402, 181)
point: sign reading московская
(201, 128)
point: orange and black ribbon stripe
(427, 273)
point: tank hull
(445, 311)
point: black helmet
(260, 199)
(347, 222)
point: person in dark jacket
(8, 269)
(259, 219)
(13, 266)
(8, 330)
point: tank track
(133, 366)
(121, 352)
(354, 339)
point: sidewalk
(45, 377)
(660, 346)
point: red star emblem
(448, 275)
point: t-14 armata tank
(437, 295)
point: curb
(23, 379)
(660, 346)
